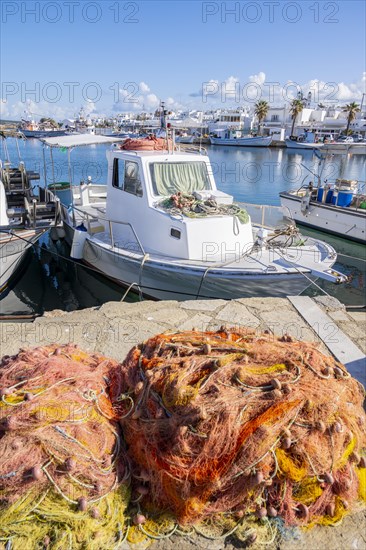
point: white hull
(43, 133)
(291, 144)
(164, 279)
(12, 252)
(185, 139)
(345, 222)
(243, 142)
(345, 148)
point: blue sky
(136, 53)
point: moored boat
(236, 138)
(295, 144)
(162, 227)
(339, 209)
(25, 215)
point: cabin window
(118, 173)
(126, 176)
(132, 182)
(170, 177)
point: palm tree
(297, 106)
(351, 109)
(261, 111)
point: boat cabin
(142, 189)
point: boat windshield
(170, 177)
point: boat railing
(267, 216)
(90, 219)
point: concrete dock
(114, 328)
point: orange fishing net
(239, 422)
(226, 431)
(60, 460)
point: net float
(95, 514)
(139, 519)
(328, 478)
(144, 475)
(37, 472)
(139, 387)
(258, 477)
(142, 490)
(320, 426)
(286, 443)
(303, 511)
(70, 464)
(261, 512)
(82, 504)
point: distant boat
(344, 147)
(234, 137)
(294, 144)
(188, 139)
(32, 129)
(307, 140)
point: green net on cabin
(192, 207)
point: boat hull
(243, 142)
(12, 251)
(291, 144)
(343, 222)
(43, 133)
(344, 148)
(162, 281)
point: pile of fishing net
(210, 432)
(235, 425)
(62, 473)
(149, 143)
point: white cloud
(151, 101)
(144, 88)
(258, 78)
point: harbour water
(50, 280)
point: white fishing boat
(187, 139)
(32, 129)
(162, 227)
(236, 138)
(304, 141)
(24, 215)
(339, 209)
